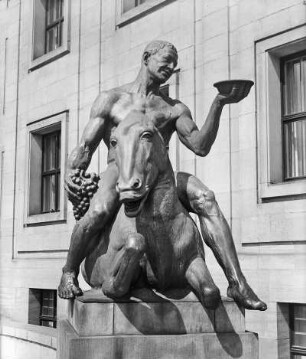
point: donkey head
(141, 157)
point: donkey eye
(113, 142)
(147, 135)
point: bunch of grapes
(88, 184)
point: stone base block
(149, 312)
(185, 346)
(149, 325)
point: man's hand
(237, 94)
(73, 187)
(81, 187)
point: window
(51, 26)
(54, 24)
(45, 179)
(281, 115)
(298, 331)
(50, 176)
(130, 4)
(42, 307)
(130, 10)
(294, 116)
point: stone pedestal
(148, 325)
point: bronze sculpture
(153, 242)
(168, 115)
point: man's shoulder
(180, 108)
(113, 94)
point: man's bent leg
(216, 233)
(87, 231)
(125, 267)
(199, 278)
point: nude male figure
(158, 63)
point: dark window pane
(49, 152)
(128, 5)
(298, 330)
(300, 325)
(300, 311)
(59, 9)
(48, 323)
(54, 11)
(295, 86)
(58, 198)
(54, 37)
(51, 172)
(51, 45)
(295, 148)
(54, 25)
(299, 339)
(50, 11)
(49, 193)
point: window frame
(291, 117)
(35, 130)
(137, 11)
(37, 61)
(268, 54)
(36, 304)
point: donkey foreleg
(125, 267)
(199, 278)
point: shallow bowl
(225, 87)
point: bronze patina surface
(110, 114)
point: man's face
(161, 65)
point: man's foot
(69, 286)
(243, 295)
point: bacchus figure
(110, 108)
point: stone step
(184, 346)
(151, 313)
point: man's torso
(161, 110)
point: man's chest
(161, 113)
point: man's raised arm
(201, 141)
(80, 157)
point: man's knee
(136, 243)
(205, 202)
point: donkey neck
(163, 200)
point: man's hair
(154, 46)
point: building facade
(56, 55)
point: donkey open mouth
(132, 207)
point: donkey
(153, 241)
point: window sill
(44, 218)
(270, 192)
(49, 57)
(139, 11)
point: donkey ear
(145, 57)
